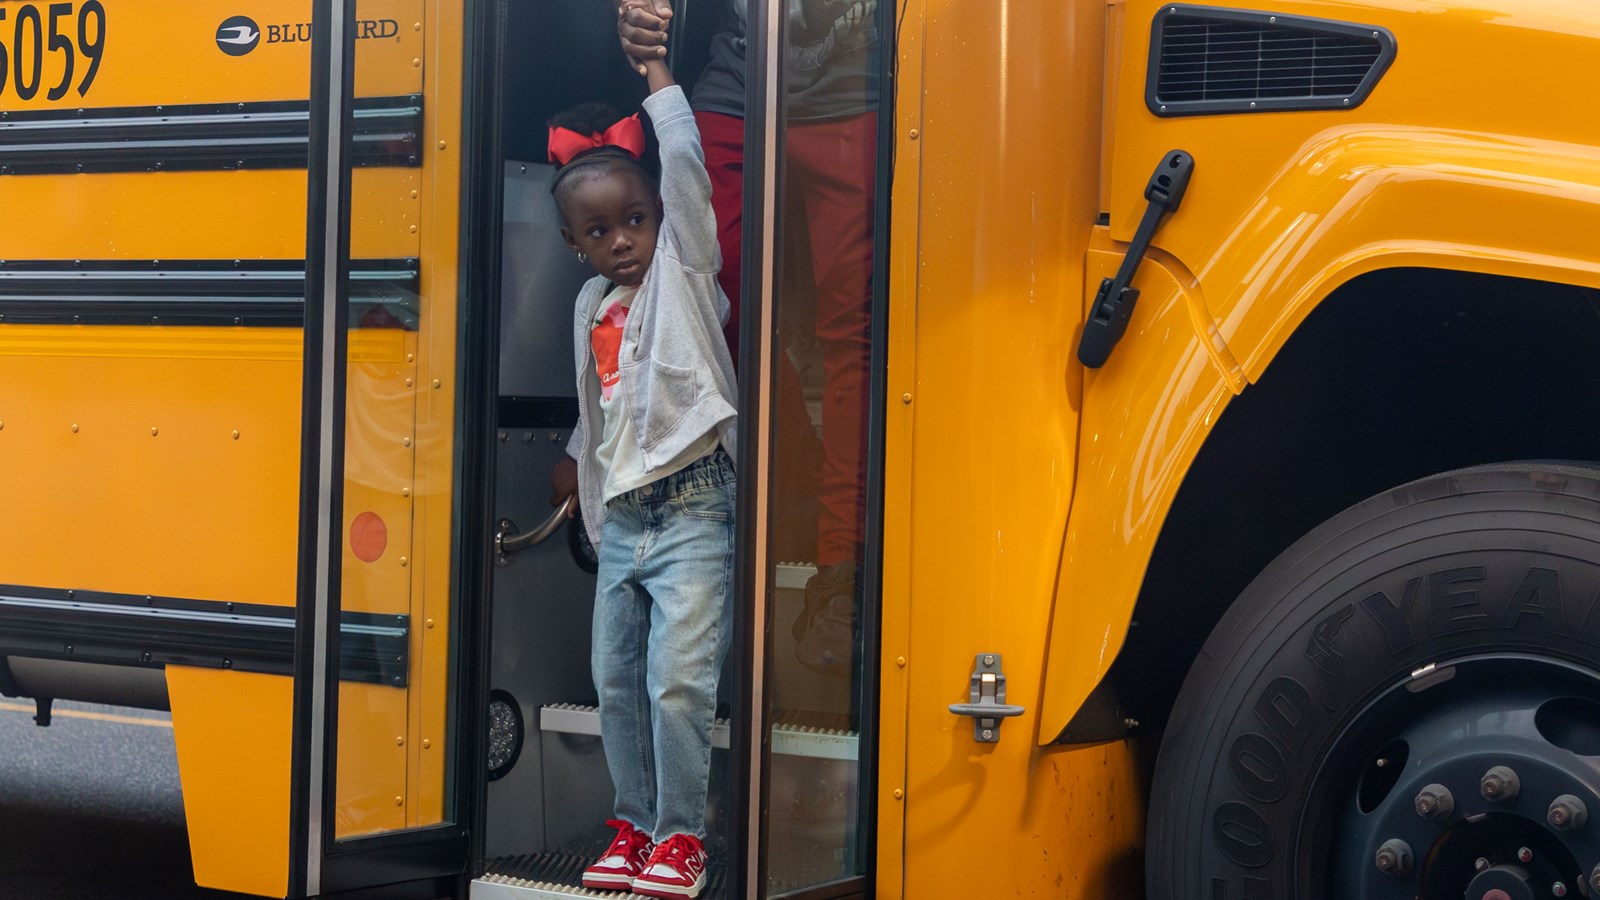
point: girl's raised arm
(688, 223)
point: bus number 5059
(22, 63)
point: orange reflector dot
(368, 537)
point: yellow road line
(80, 714)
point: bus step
(794, 737)
(792, 576)
(558, 876)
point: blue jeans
(663, 619)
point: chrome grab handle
(507, 542)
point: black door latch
(1113, 303)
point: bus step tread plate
(553, 875)
(814, 735)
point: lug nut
(1394, 857)
(1524, 854)
(1566, 813)
(1499, 783)
(1435, 803)
(1482, 864)
(1558, 890)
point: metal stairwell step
(550, 876)
(788, 739)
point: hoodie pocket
(673, 391)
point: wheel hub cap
(1480, 787)
(1500, 883)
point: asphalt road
(90, 807)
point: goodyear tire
(1397, 654)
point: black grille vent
(1203, 60)
(1217, 60)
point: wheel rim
(1473, 778)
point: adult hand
(564, 483)
(642, 29)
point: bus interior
(549, 793)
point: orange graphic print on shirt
(606, 342)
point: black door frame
(478, 312)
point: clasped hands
(642, 29)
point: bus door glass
(376, 577)
(824, 321)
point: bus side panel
(432, 637)
(150, 460)
(1005, 156)
(380, 436)
(233, 736)
(170, 52)
(370, 786)
(165, 461)
(222, 215)
(154, 459)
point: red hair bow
(627, 134)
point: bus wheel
(1405, 703)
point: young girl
(651, 464)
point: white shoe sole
(671, 890)
(608, 882)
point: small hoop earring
(583, 257)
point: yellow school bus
(1226, 440)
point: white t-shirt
(618, 451)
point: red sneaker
(623, 860)
(676, 869)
